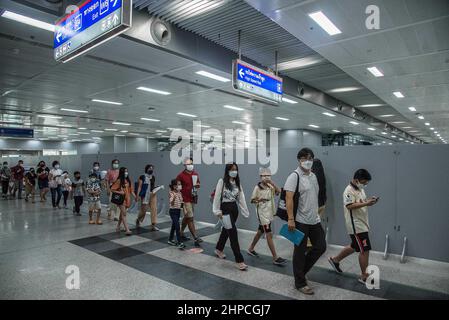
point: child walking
(176, 204)
(78, 192)
(66, 187)
(93, 199)
(263, 197)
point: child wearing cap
(263, 197)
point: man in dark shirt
(30, 184)
(18, 173)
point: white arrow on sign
(241, 73)
(58, 36)
(115, 2)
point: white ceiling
(411, 48)
(112, 72)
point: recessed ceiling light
(413, 109)
(134, 134)
(274, 128)
(96, 131)
(238, 122)
(371, 129)
(299, 63)
(82, 128)
(353, 122)
(119, 135)
(107, 102)
(398, 122)
(97, 138)
(432, 128)
(27, 20)
(49, 116)
(324, 22)
(83, 132)
(186, 114)
(375, 72)
(398, 94)
(150, 119)
(344, 89)
(203, 126)
(393, 136)
(421, 117)
(124, 131)
(165, 93)
(329, 114)
(407, 127)
(74, 110)
(110, 130)
(288, 100)
(162, 131)
(121, 123)
(371, 105)
(212, 76)
(386, 115)
(313, 126)
(400, 139)
(73, 134)
(337, 131)
(233, 108)
(427, 124)
(413, 131)
(283, 119)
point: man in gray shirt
(306, 218)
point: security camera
(300, 89)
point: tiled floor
(37, 244)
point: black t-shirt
(43, 173)
(31, 177)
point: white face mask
(179, 188)
(265, 179)
(126, 174)
(307, 165)
(115, 165)
(361, 186)
(233, 174)
(57, 166)
(96, 168)
(189, 167)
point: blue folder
(294, 236)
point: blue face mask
(233, 174)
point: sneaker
(242, 266)
(220, 254)
(253, 253)
(335, 265)
(306, 290)
(197, 243)
(199, 240)
(181, 246)
(184, 238)
(172, 242)
(154, 228)
(279, 261)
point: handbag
(281, 211)
(117, 198)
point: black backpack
(282, 204)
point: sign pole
(239, 48)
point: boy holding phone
(356, 215)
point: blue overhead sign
(17, 132)
(256, 81)
(94, 22)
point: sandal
(99, 222)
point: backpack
(282, 205)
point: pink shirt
(111, 175)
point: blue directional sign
(17, 132)
(257, 82)
(94, 22)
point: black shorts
(360, 242)
(265, 229)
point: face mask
(93, 179)
(150, 171)
(307, 165)
(57, 166)
(21, 164)
(96, 168)
(115, 165)
(233, 174)
(189, 167)
(126, 174)
(361, 186)
(265, 179)
(5, 166)
(179, 188)
(32, 171)
(77, 177)
(42, 165)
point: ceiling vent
(160, 32)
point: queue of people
(304, 191)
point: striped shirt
(175, 199)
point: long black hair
(173, 184)
(226, 178)
(121, 176)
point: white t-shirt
(57, 175)
(265, 209)
(308, 196)
(360, 216)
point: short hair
(362, 174)
(264, 171)
(173, 183)
(76, 172)
(92, 174)
(96, 162)
(115, 160)
(65, 172)
(148, 166)
(304, 152)
(5, 162)
(21, 160)
(54, 163)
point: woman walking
(121, 192)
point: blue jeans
(175, 214)
(55, 201)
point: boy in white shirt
(356, 217)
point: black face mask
(150, 171)
(77, 177)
